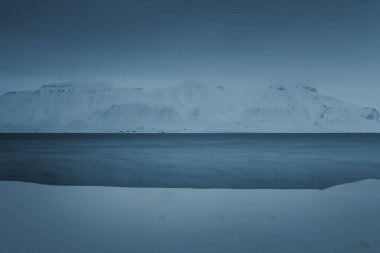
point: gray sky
(330, 44)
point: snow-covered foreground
(38, 218)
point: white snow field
(45, 219)
(189, 107)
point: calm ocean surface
(191, 160)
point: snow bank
(38, 218)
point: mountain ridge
(188, 107)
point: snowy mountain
(189, 107)
(302, 108)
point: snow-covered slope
(189, 107)
(302, 108)
(44, 219)
(55, 107)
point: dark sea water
(191, 160)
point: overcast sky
(331, 44)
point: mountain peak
(192, 85)
(307, 88)
(293, 87)
(75, 85)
